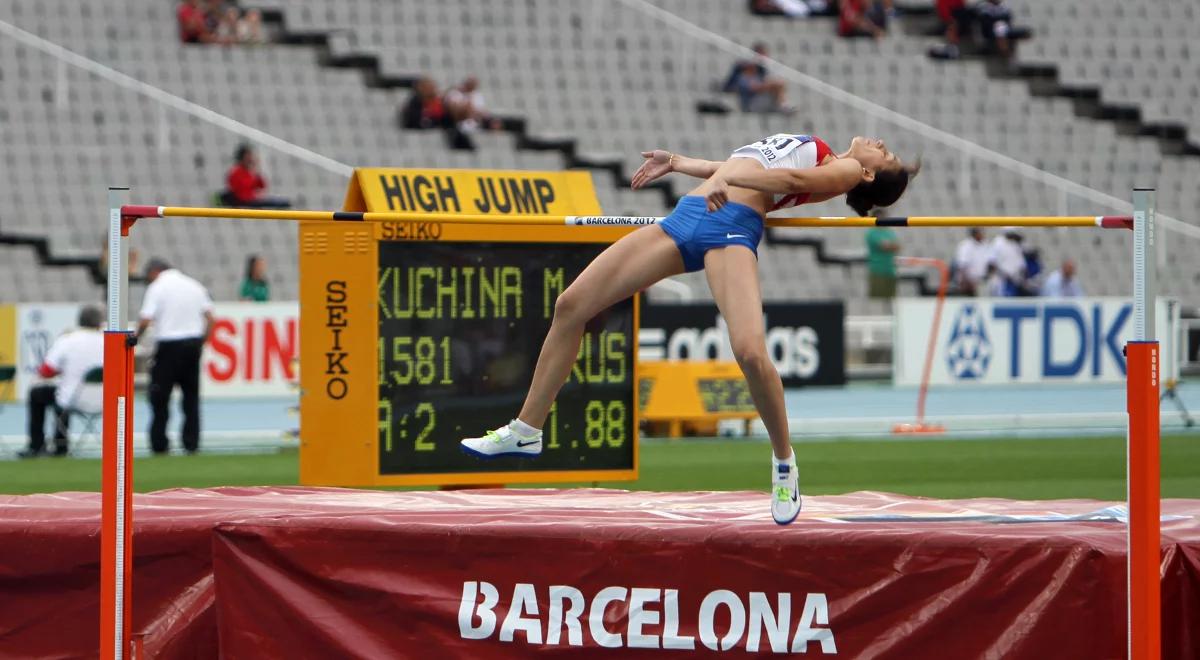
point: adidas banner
(805, 341)
(1020, 340)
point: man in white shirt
(1009, 259)
(1062, 282)
(180, 310)
(70, 357)
(971, 262)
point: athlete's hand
(656, 165)
(716, 193)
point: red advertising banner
(613, 574)
(253, 350)
(50, 577)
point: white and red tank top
(788, 151)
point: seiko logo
(336, 320)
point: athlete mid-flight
(717, 228)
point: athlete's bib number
(777, 146)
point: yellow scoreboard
(417, 334)
(697, 393)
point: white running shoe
(785, 490)
(504, 441)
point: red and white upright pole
(116, 518)
(1142, 383)
(943, 285)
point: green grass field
(1020, 469)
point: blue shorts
(696, 231)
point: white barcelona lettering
(671, 638)
(816, 610)
(524, 602)
(640, 616)
(600, 634)
(467, 610)
(568, 617)
(632, 617)
(708, 620)
(775, 622)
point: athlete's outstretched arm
(660, 163)
(836, 178)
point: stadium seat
(612, 79)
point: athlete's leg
(733, 278)
(626, 267)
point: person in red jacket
(863, 18)
(193, 29)
(245, 184)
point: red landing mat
(326, 573)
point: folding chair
(8, 379)
(87, 404)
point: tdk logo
(969, 351)
(1032, 341)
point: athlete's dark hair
(883, 191)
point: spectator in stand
(1062, 283)
(756, 91)
(193, 26)
(1009, 260)
(735, 72)
(424, 108)
(249, 29)
(994, 285)
(995, 27)
(255, 287)
(70, 357)
(1033, 272)
(758, 94)
(882, 247)
(864, 18)
(957, 20)
(238, 28)
(792, 8)
(971, 263)
(245, 183)
(468, 113)
(990, 21)
(214, 12)
(227, 25)
(181, 312)
(467, 108)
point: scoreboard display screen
(460, 327)
(424, 328)
(725, 395)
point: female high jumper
(716, 227)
